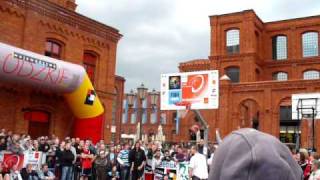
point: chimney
(71, 5)
(68, 4)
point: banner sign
(172, 170)
(8, 160)
(183, 171)
(34, 158)
(199, 89)
(159, 174)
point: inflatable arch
(71, 80)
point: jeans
(124, 173)
(196, 178)
(66, 173)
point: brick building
(261, 64)
(149, 115)
(53, 28)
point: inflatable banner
(71, 80)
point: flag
(91, 95)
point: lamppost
(142, 93)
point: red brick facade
(256, 98)
(153, 118)
(29, 24)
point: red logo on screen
(195, 87)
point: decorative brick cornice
(303, 61)
(195, 65)
(60, 29)
(68, 17)
(11, 10)
(274, 85)
(233, 56)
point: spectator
(167, 157)
(137, 160)
(239, 151)
(150, 150)
(28, 173)
(114, 174)
(316, 156)
(79, 147)
(15, 148)
(15, 173)
(9, 138)
(198, 168)
(203, 149)
(112, 159)
(101, 166)
(315, 174)
(35, 146)
(3, 144)
(2, 172)
(43, 146)
(305, 163)
(3, 133)
(59, 148)
(213, 148)
(51, 158)
(118, 149)
(179, 155)
(77, 143)
(66, 161)
(45, 173)
(91, 146)
(86, 163)
(123, 160)
(156, 160)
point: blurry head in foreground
(250, 154)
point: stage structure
(306, 106)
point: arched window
(154, 116)
(310, 46)
(89, 63)
(233, 73)
(279, 47)
(53, 49)
(311, 74)
(233, 41)
(280, 76)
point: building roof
(195, 62)
(69, 17)
(120, 78)
(267, 22)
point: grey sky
(158, 34)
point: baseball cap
(248, 154)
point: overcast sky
(158, 34)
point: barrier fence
(174, 171)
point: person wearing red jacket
(86, 163)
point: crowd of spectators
(74, 158)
